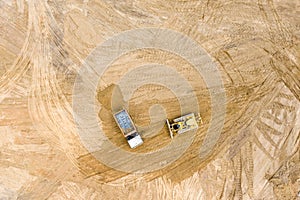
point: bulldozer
(183, 124)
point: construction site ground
(254, 47)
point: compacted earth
(67, 66)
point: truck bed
(124, 122)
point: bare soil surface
(255, 47)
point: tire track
(11, 78)
(47, 105)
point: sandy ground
(254, 45)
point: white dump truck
(128, 128)
(183, 124)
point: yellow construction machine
(183, 124)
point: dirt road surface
(67, 66)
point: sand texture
(67, 66)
